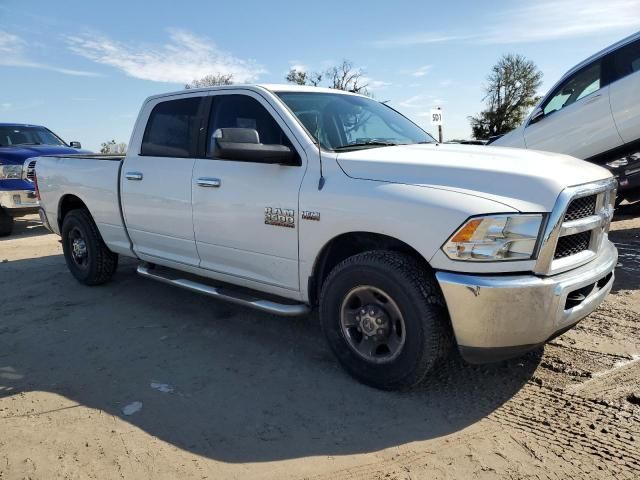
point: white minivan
(592, 113)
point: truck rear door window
(172, 129)
(626, 60)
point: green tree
(300, 77)
(212, 80)
(510, 93)
(113, 148)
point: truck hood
(526, 180)
(18, 154)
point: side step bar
(229, 296)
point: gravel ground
(137, 380)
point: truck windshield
(347, 122)
(26, 135)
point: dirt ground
(139, 380)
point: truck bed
(96, 183)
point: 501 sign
(436, 116)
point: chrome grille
(29, 170)
(577, 227)
(581, 208)
(572, 244)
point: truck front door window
(242, 111)
(583, 83)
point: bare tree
(509, 94)
(346, 77)
(341, 77)
(211, 80)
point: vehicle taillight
(35, 184)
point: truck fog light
(495, 237)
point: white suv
(593, 113)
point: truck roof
(256, 87)
(605, 51)
(14, 124)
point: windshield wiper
(372, 143)
(27, 143)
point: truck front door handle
(209, 182)
(593, 98)
(133, 176)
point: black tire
(6, 224)
(98, 264)
(618, 201)
(414, 290)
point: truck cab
(19, 143)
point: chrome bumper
(502, 316)
(19, 201)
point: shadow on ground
(627, 241)
(25, 227)
(248, 387)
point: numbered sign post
(436, 119)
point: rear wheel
(384, 318)
(87, 256)
(6, 223)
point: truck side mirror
(243, 144)
(75, 145)
(537, 115)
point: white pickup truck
(284, 198)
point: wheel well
(68, 203)
(349, 244)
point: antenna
(321, 181)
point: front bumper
(19, 202)
(502, 316)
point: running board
(289, 310)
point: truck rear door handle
(209, 182)
(133, 176)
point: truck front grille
(577, 227)
(572, 244)
(581, 208)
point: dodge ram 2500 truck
(18, 144)
(283, 198)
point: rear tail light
(35, 184)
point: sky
(83, 68)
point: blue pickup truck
(18, 144)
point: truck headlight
(10, 172)
(495, 237)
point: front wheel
(6, 223)
(87, 256)
(385, 319)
